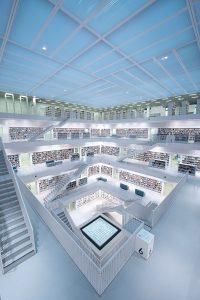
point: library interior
(99, 149)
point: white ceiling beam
(87, 48)
(124, 70)
(82, 24)
(9, 27)
(149, 46)
(193, 21)
(47, 22)
(168, 18)
(185, 69)
(116, 27)
(144, 83)
(133, 86)
(170, 75)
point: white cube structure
(144, 243)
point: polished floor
(171, 273)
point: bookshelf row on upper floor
(150, 155)
(181, 134)
(146, 182)
(43, 156)
(86, 199)
(137, 132)
(49, 183)
(65, 154)
(192, 161)
(24, 133)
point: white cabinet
(144, 243)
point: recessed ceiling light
(65, 90)
(44, 48)
(126, 92)
(164, 57)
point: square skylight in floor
(100, 232)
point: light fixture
(164, 57)
(44, 48)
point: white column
(170, 108)
(184, 107)
(198, 107)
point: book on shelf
(106, 170)
(184, 168)
(146, 182)
(93, 149)
(24, 133)
(110, 150)
(42, 157)
(93, 170)
(14, 160)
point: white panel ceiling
(100, 52)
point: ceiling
(100, 52)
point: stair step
(13, 249)
(10, 223)
(7, 195)
(8, 205)
(18, 261)
(5, 185)
(3, 173)
(6, 182)
(11, 216)
(6, 190)
(9, 211)
(17, 255)
(3, 166)
(8, 233)
(9, 227)
(66, 221)
(15, 236)
(9, 200)
(61, 214)
(15, 243)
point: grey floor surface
(171, 273)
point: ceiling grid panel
(8, 27)
(170, 76)
(99, 52)
(46, 23)
(185, 70)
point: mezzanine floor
(172, 272)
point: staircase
(16, 235)
(109, 207)
(3, 166)
(61, 215)
(47, 129)
(135, 151)
(61, 186)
